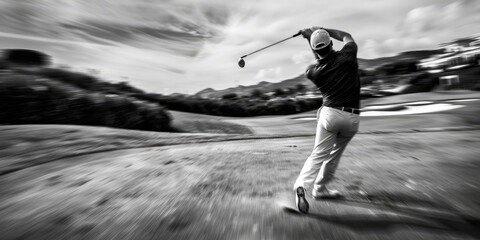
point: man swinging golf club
(335, 73)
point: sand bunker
(413, 109)
(464, 100)
(407, 108)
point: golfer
(335, 73)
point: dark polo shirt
(336, 76)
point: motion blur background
(130, 119)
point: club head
(241, 62)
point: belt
(348, 109)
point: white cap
(319, 39)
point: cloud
(370, 48)
(435, 18)
(197, 43)
(269, 73)
(408, 43)
(394, 45)
(303, 57)
(425, 27)
(424, 19)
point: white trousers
(335, 128)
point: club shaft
(283, 40)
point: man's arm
(334, 33)
(307, 33)
(340, 35)
(349, 46)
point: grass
(235, 190)
(200, 123)
(24, 146)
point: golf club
(241, 61)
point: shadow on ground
(390, 211)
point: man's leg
(321, 152)
(324, 144)
(348, 127)
(329, 166)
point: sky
(184, 46)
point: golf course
(410, 173)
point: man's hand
(307, 32)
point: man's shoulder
(349, 47)
(349, 50)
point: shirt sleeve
(350, 50)
(309, 73)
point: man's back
(337, 77)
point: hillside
(404, 56)
(364, 64)
(31, 92)
(265, 87)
